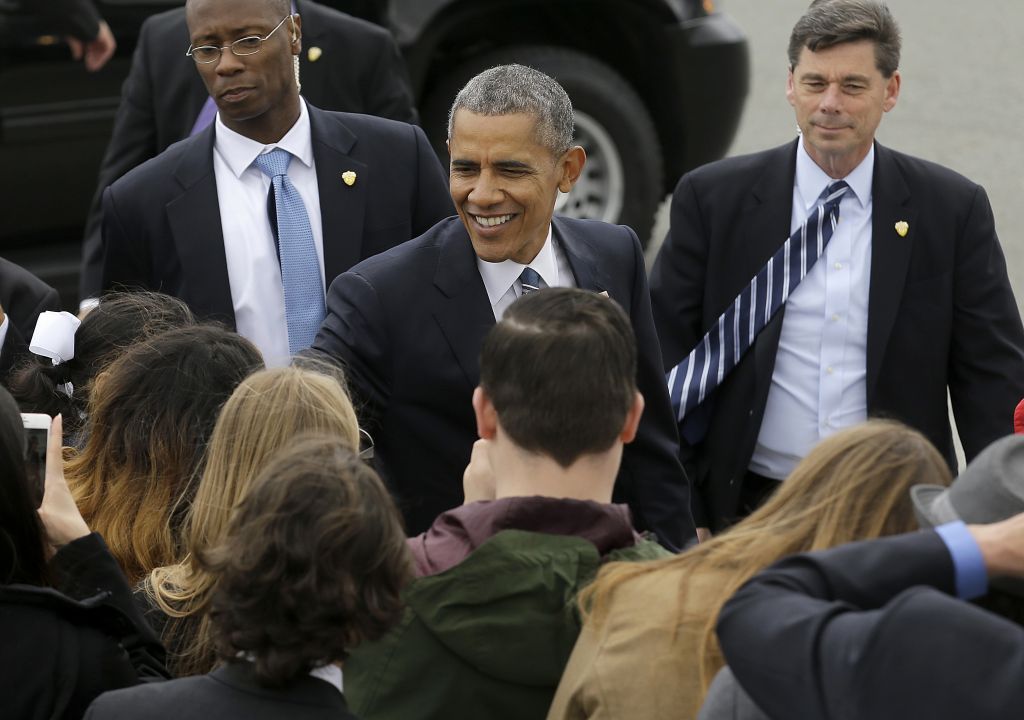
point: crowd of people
(333, 437)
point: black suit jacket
(230, 691)
(869, 630)
(359, 70)
(409, 325)
(162, 225)
(941, 310)
(22, 296)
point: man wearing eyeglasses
(347, 64)
(249, 220)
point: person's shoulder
(157, 172)
(353, 28)
(923, 173)
(367, 128)
(156, 698)
(741, 166)
(413, 257)
(15, 277)
(164, 27)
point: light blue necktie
(300, 270)
(692, 381)
(531, 280)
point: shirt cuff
(3, 330)
(968, 562)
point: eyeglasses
(365, 445)
(243, 46)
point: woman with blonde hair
(266, 413)
(660, 616)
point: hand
(1002, 546)
(95, 52)
(61, 518)
(478, 480)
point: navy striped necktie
(531, 280)
(710, 362)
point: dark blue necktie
(530, 280)
(710, 362)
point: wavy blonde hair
(266, 413)
(855, 485)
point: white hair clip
(54, 338)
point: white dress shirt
(819, 382)
(3, 331)
(502, 279)
(254, 272)
(330, 674)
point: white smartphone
(37, 435)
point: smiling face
(839, 96)
(255, 94)
(504, 183)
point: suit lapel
(764, 228)
(890, 257)
(194, 219)
(342, 206)
(464, 313)
(586, 270)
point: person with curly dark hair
(313, 564)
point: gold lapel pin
(314, 53)
(350, 178)
(902, 228)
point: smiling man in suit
(409, 324)
(249, 220)
(347, 64)
(910, 297)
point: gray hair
(832, 22)
(511, 89)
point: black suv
(658, 87)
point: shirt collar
(811, 180)
(330, 674)
(239, 152)
(499, 277)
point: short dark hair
(22, 539)
(560, 369)
(833, 22)
(313, 564)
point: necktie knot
(834, 192)
(274, 163)
(530, 280)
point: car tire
(622, 179)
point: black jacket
(64, 645)
(22, 296)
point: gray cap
(990, 489)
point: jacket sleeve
(986, 370)
(78, 18)
(860, 631)
(82, 569)
(656, 487)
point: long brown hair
(150, 414)
(854, 485)
(265, 414)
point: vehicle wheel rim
(598, 194)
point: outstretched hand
(59, 513)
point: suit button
(750, 414)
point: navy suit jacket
(941, 313)
(409, 324)
(230, 691)
(869, 630)
(22, 296)
(162, 225)
(358, 70)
